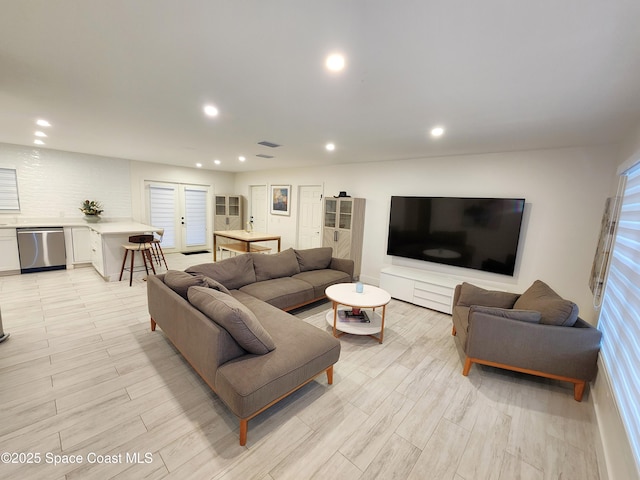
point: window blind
(162, 214)
(9, 200)
(620, 314)
(196, 216)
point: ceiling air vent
(262, 155)
(268, 144)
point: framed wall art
(280, 199)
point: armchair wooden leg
(467, 366)
(330, 375)
(453, 331)
(153, 325)
(244, 424)
(578, 390)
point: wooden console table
(244, 238)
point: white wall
(220, 182)
(565, 191)
(52, 183)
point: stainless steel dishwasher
(41, 249)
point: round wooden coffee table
(371, 298)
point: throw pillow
(278, 265)
(472, 295)
(529, 316)
(233, 272)
(234, 317)
(314, 258)
(180, 282)
(554, 309)
(211, 283)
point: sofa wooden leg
(244, 425)
(467, 366)
(330, 375)
(453, 331)
(578, 390)
(153, 325)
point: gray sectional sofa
(227, 319)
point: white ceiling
(129, 78)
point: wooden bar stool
(157, 247)
(142, 244)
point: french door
(184, 213)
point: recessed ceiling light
(241, 158)
(335, 62)
(42, 123)
(437, 131)
(330, 147)
(210, 110)
(38, 142)
(40, 134)
(217, 162)
(199, 165)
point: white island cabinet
(9, 257)
(107, 239)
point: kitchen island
(98, 244)
(106, 240)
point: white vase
(92, 218)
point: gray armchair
(538, 333)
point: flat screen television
(478, 233)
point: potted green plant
(92, 210)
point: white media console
(424, 288)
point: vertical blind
(620, 317)
(9, 190)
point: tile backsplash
(53, 183)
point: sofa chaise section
(248, 383)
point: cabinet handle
(335, 235)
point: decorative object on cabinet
(92, 210)
(228, 212)
(280, 199)
(343, 228)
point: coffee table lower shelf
(371, 328)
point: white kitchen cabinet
(9, 256)
(81, 241)
(344, 229)
(228, 213)
(97, 258)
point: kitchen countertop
(103, 227)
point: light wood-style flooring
(82, 374)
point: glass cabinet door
(221, 205)
(330, 212)
(345, 214)
(234, 206)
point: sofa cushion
(554, 309)
(278, 265)
(180, 282)
(314, 258)
(472, 295)
(283, 292)
(529, 316)
(234, 317)
(233, 272)
(321, 279)
(248, 383)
